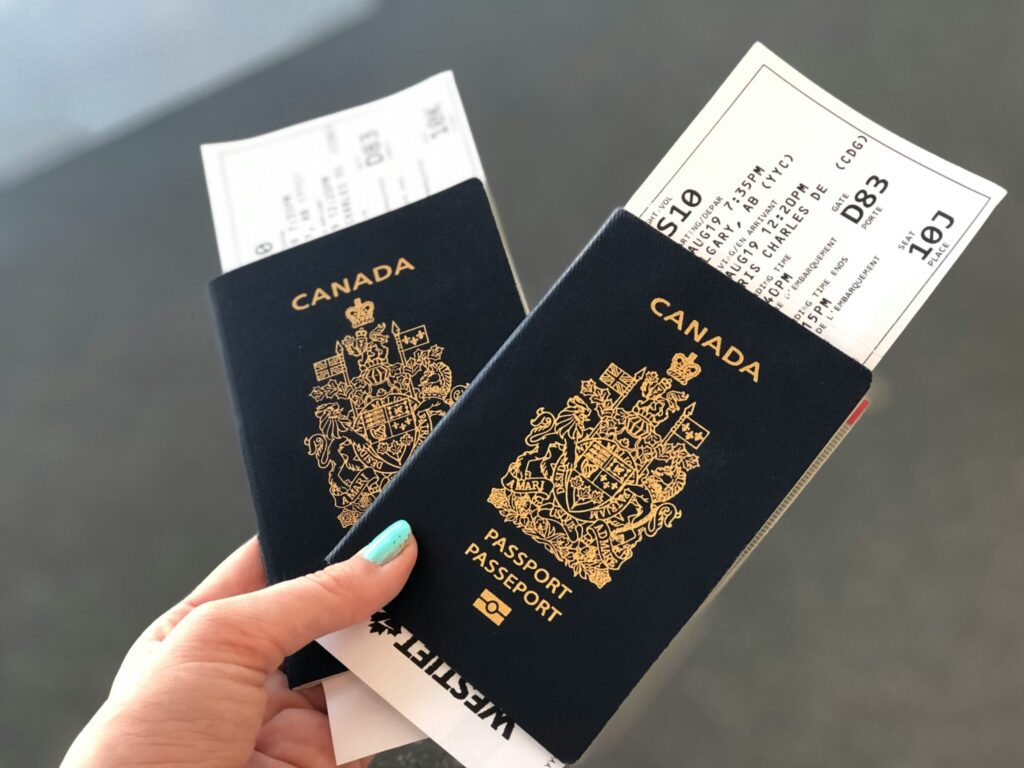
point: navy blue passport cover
(607, 468)
(343, 353)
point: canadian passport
(344, 353)
(619, 454)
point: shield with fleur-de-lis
(602, 471)
(389, 425)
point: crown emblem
(684, 368)
(360, 313)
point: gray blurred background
(880, 624)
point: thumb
(259, 629)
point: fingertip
(407, 557)
(389, 543)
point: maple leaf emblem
(381, 623)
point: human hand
(202, 685)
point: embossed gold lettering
(732, 356)
(347, 285)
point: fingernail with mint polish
(387, 544)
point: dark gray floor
(881, 623)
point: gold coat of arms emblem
(601, 475)
(382, 392)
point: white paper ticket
(285, 188)
(361, 722)
(835, 221)
(447, 707)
